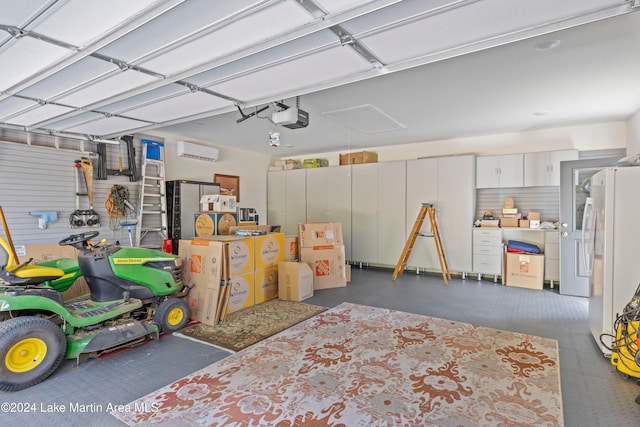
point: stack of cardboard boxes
(511, 217)
(230, 273)
(321, 246)
(219, 214)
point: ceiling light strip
(127, 26)
(319, 25)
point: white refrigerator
(612, 247)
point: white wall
(586, 137)
(250, 167)
(633, 134)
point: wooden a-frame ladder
(430, 210)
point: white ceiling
(370, 73)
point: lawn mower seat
(23, 274)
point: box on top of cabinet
(358, 158)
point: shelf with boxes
(528, 270)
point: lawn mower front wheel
(31, 349)
(172, 315)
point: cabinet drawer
(487, 264)
(487, 240)
(487, 232)
(552, 251)
(487, 250)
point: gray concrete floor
(594, 392)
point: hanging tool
(84, 217)
(430, 210)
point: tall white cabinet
(329, 198)
(286, 199)
(378, 212)
(364, 212)
(449, 183)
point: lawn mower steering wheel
(75, 239)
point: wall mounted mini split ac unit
(195, 151)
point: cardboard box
(202, 265)
(509, 222)
(327, 264)
(489, 223)
(534, 223)
(320, 234)
(242, 294)
(48, 252)
(358, 158)
(211, 224)
(315, 163)
(295, 281)
(534, 216)
(525, 270)
(218, 203)
(347, 270)
(266, 284)
(508, 203)
(291, 252)
(269, 250)
(523, 223)
(241, 253)
(264, 228)
(510, 211)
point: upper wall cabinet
(543, 169)
(500, 171)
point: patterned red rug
(355, 365)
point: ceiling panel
(172, 26)
(181, 106)
(313, 41)
(145, 98)
(111, 86)
(75, 121)
(69, 78)
(365, 119)
(18, 13)
(333, 6)
(78, 22)
(459, 27)
(39, 114)
(21, 58)
(236, 35)
(107, 125)
(11, 106)
(295, 75)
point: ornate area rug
(362, 366)
(250, 325)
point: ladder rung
(153, 229)
(153, 195)
(152, 212)
(153, 177)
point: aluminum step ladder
(151, 227)
(427, 209)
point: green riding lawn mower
(135, 294)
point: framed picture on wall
(229, 185)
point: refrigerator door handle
(588, 207)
